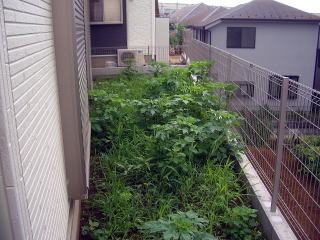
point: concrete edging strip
(275, 225)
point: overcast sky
(305, 5)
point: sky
(312, 6)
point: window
(246, 89)
(241, 37)
(106, 11)
(293, 87)
(208, 37)
(275, 84)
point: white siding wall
(5, 226)
(34, 108)
(285, 48)
(162, 39)
(141, 23)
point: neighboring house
(167, 9)
(196, 14)
(270, 34)
(193, 16)
(199, 32)
(127, 24)
(180, 16)
(44, 120)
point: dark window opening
(208, 37)
(293, 87)
(275, 84)
(246, 89)
(241, 37)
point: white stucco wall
(285, 48)
(32, 155)
(162, 39)
(141, 23)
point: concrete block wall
(32, 154)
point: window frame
(109, 22)
(276, 88)
(241, 32)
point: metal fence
(165, 54)
(281, 131)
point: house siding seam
(36, 113)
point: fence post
(280, 137)
(228, 68)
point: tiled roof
(212, 16)
(196, 15)
(181, 13)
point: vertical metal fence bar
(229, 59)
(280, 137)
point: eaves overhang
(252, 20)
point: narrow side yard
(164, 159)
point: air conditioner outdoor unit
(124, 54)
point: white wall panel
(36, 115)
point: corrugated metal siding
(31, 61)
(80, 32)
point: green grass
(163, 150)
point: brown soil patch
(299, 193)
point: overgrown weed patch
(164, 156)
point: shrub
(180, 226)
(240, 224)
(129, 72)
(159, 68)
(200, 70)
(308, 151)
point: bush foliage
(308, 151)
(164, 159)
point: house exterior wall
(285, 48)
(83, 77)
(110, 35)
(5, 225)
(141, 23)
(32, 154)
(162, 39)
